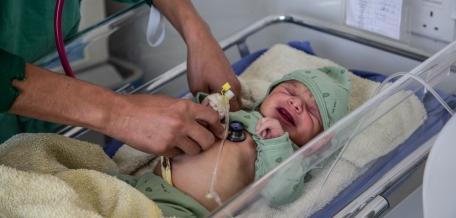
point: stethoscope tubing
(59, 38)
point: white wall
(226, 15)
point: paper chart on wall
(378, 16)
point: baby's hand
(268, 128)
(214, 101)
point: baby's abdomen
(192, 174)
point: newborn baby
(295, 109)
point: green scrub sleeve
(11, 67)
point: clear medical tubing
(59, 38)
(379, 88)
(212, 193)
(226, 94)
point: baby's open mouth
(286, 116)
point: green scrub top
(26, 34)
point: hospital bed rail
(239, 40)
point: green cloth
(27, 33)
(7, 91)
(289, 185)
(27, 26)
(170, 200)
(330, 87)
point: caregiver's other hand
(208, 69)
(164, 125)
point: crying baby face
(293, 105)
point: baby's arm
(273, 145)
(270, 153)
(272, 148)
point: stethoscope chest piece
(236, 132)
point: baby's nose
(296, 104)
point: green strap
(11, 67)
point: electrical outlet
(433, 19)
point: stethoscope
(155, 33)
(59, 38)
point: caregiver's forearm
(52, 97)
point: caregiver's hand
(151, 123)
(164, 125)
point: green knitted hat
(330, 87)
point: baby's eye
(291, 91)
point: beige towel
(47, 175)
